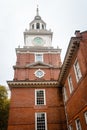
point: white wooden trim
(85, 115)
(77, 79)
(77, 125)
(36, 96)
(45, 119)
(36, 54)
(70, 84)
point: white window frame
(77, 70)
(78, 124)
(70, 127)
(36, 114)
(36, 54)
(70, 83)
(36, 90)
(65, 94)
(85, 115)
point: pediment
(39, 64)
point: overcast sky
(63, 17)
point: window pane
(78, 125)
(77, 71)
(39, 57)
(40, 97)
(65, 94)
(37, 26)
(70, 84)
(40, 120)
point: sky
(63, 17)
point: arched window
(33, 26)
(37, 26)
(42, 26)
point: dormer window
(37, 26)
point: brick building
(73, 80)
(44, 94)
(36, 100)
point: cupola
(37, 23)
(37, 35)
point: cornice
(72, 49)
(44, 50)
(39, 32)
(32, 84)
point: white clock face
(38, 41)
(39, 73)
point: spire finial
(37, 11)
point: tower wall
(36, 99)
(23, 109)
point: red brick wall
(77, 100)
(26, 58)
(53, 59)
(22, 109)
(28, 73)
(23, 74)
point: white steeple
(37, 11)
(37, 23)
(37, 32)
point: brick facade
(26, 66)
(22, 107)
(76, 103)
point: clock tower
(36, 99)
